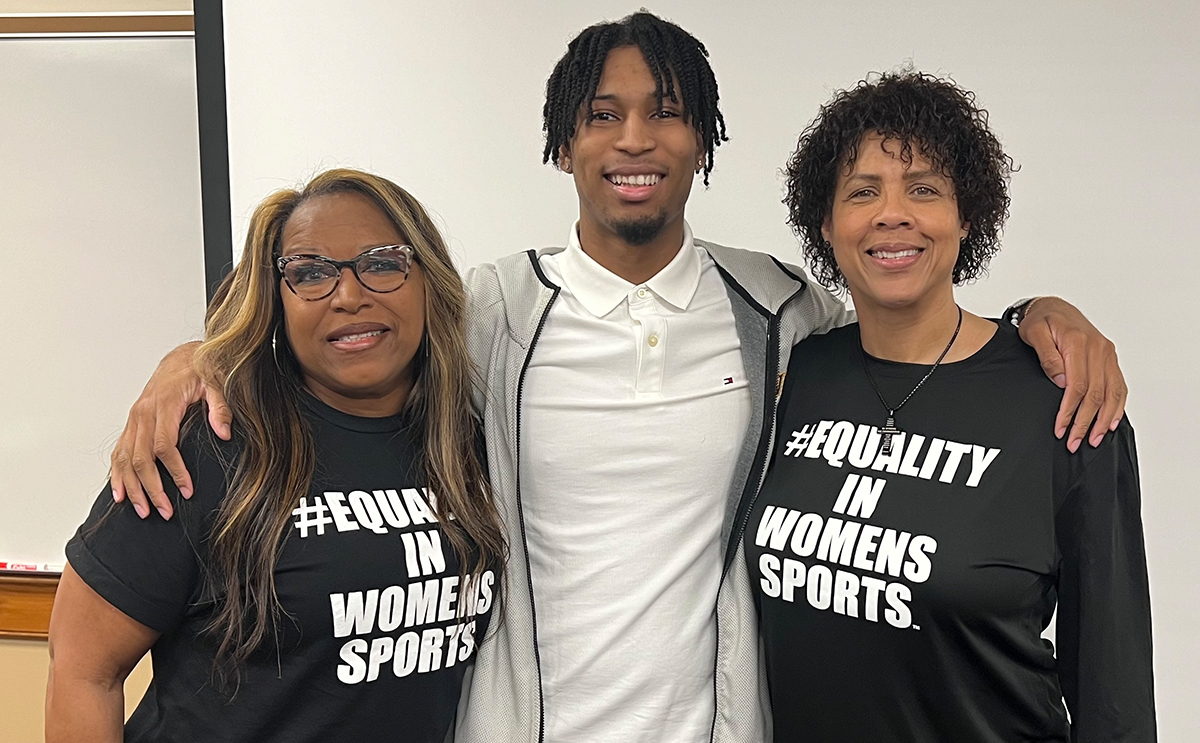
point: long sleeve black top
(903, 597)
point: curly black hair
(676, 59)
(919, 110)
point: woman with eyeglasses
(337, 564)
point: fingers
(220, 417)
(142, 459)
(115, 481)
(1063, 368)
(1116, 392)
(152, 433)
(1085, 414)
(166, 440)
(1079, 404)
(1081, 361)
(1096, 391)
(125, 483)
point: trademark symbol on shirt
(916, 626)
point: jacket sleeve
(485, 321)
(1103, 631)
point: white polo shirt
(635, 407)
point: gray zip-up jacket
(774, 306)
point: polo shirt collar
(600, 290)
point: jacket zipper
(537, 656)
(770, 399)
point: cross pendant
(888, 431)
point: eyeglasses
(381, 270)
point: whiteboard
(1097, 102)
(103, 262)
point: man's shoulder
(764, 277)
(737, 255)
(515, 269)
(507, 292)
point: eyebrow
(306, 250)
(615, 97)
(923, 174)
(907, 176)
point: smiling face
(895, 227)
(355, 347)
(633, 162)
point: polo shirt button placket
(644, 310)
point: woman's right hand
(152, 433)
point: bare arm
(1084, 363)
(152, 433)
(93, 648)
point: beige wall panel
(23, 668)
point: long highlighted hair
(262, 384)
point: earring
(275, 348)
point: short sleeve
(1103, 631)
(150, 569)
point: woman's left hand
(1078, 358)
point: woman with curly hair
(920, 524)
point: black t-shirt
(376, 636)
(903, 597)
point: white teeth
(357, 336)
(635, 180)
(897, 254)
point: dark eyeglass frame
(352, 264)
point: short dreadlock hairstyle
(673, 56)
(919, 110)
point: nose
(894, 210)
(635, 137)
(349, 295)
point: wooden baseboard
(52, 25)
(25, 603)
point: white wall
(1097, 101)
(102, 262)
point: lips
(885, 254)
(648, 179)
(357, 337)
(895, 255)
(634, 184)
